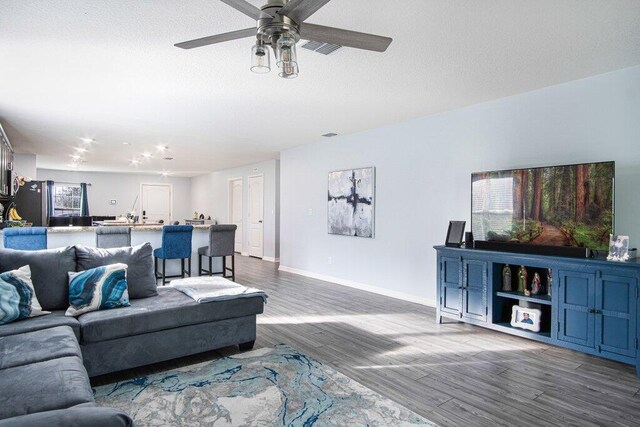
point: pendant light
(260, 58)
(286, 57)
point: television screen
(569, 205)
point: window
(67, 198)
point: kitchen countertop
(134, 227)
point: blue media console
(593, 306)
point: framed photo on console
(455, 233)
(525, 318)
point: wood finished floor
(452, 374)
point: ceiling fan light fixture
(286, 56)
(289, 71)
(260, 58)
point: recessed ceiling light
(134, 162)
(80, 149)
(166, 173)
(146, 155)
(73, 165)
(161, 147)
(76, 157)
(330, 135)
(87, 140)
(125, 143)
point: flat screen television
(571, 205)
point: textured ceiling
(108, 70)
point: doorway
(235, 210)
(155, 202)
(256, 216)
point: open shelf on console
(540, 336)
(537, 299)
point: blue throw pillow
(17, 296)
(99, 288)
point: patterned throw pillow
(17, 296)
(99, 288)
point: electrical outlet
(310, 212)
(330, 260)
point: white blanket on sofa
(207, 289)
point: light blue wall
(423, 172)
(210, 195)
(124, 188)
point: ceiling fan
(280, 24)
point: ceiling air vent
(323, 48)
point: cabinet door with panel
(615, 310)
(474, 289)
(450, 285)
(576, 300)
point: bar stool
(25, 238)
(113, 237)
(221, 244)
(176, 244)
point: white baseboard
(270, 259)
(362, 286)
(244, 253)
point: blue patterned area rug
(266, 387)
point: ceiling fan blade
(247, 8)
(341, 37)
(218, 38)
(299, 10)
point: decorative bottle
(549, 281)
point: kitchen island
(58, 237)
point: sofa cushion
(18, 298)
(78, 416)
(170, 309)
(56, 318)
(38, 346)
(49, 269)
(99, 288)
(140, 275)
(44, 386)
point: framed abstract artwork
(351, 202)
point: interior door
(235, 210)
(155, 202)
(256, 216)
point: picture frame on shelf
(455, 233)
(526, 318)
(618, 248)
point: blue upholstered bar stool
(25, 238)
(176, 244)
(113, 237)
(222, 239)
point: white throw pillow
(17, 296)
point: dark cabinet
(450, 287)
(593, 307)
(6, 164)
(474, 290)
(576, 302)
(616, 303)
(598, 311)
(463, 288)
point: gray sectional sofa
(46, 361)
